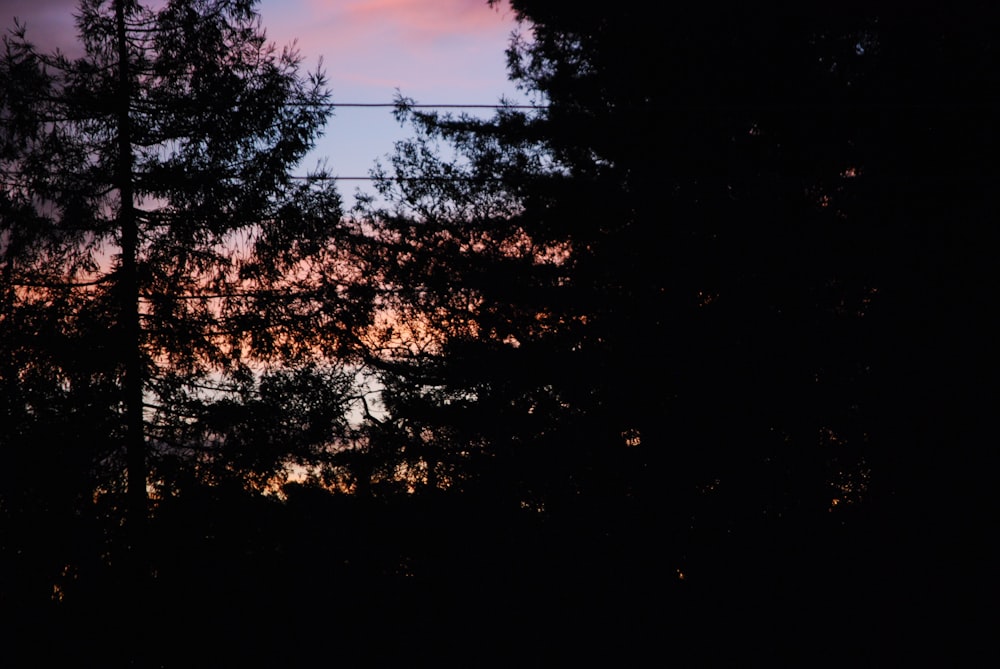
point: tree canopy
(655, 263)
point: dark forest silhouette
(670, 364)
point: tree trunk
(128, 287)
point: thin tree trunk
(132, 384)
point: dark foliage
(673, 369)
(725, 280)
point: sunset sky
(434, 51)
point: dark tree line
(677, 355)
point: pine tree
(636, 288)
(152, 223)
(718, 294)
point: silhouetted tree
(687, 284)
(158, 256)
(607, 276)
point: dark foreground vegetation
(464, 581)
(679, 366)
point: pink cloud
(410, 44)
(419, 22)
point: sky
(433, 51)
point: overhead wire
(405, 105)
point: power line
(387, 178)
(740, 106)
(917, 178)
(428, 106)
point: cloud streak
(424, 44)
(418, 23)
